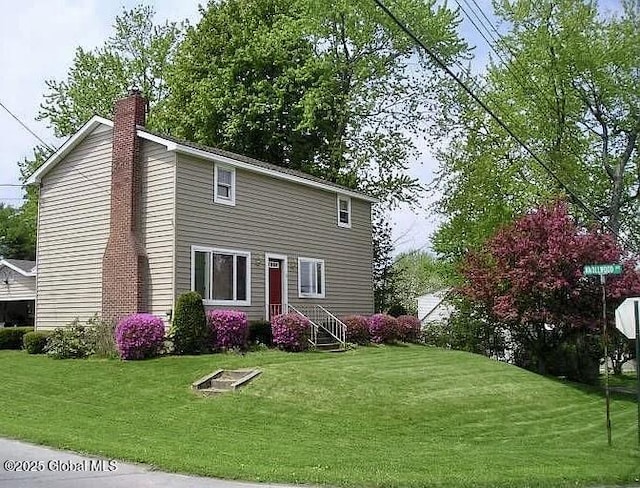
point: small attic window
(344, 211)
(224, 185)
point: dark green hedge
(11, 337)
(35, 342)
(189, 331)
(260, 331)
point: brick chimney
(124, 262)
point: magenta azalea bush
(290, 331)
(229, 329)
(383, 328)
(139, 336)
(408, 328)
(357, 329)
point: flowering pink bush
(408, 328)
(357, 329)
(290, 331)
(139, 336)
(383, 328)
(229, 328)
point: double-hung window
(311, 282)
(224, 185)
(221, 276)
(344, 211)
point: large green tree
(569, 87)
(384, 276)
(17, 241)
(138, 54)
(332, 88)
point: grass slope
(388, 416)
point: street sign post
(603, 270)
(628, 322)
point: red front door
(275, 287)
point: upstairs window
(220, 276)
(344, 211)
(311, 282)
(224, 185)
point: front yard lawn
(377, 416)
(626, 380)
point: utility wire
(494, 116)
(50, 148)
(519, 72)
(27, 128)
(515, 68)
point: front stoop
(325, 342)
(222, 381)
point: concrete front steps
(326, 342)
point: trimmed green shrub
(408, 328)
(260, 332)
(72, 342)
(357, 329)
(35, 342)
(397, 309)
(11, 337)
(189, 331)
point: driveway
(26, 466)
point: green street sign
(602, 269)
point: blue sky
(39, 39)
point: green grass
(626, 380)
(387, 416)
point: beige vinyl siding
(280, 217)
(19, 288)
(73, 226)
(156, 224)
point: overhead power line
(515, 68)
(434, 57)
(26, 127)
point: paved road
(59, 469)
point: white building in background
(17, 292)
(435, 307)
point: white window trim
(348, 200)
(285, 282)
(324, 282)
(217, 198)
(216, 250)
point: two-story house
(129, 219)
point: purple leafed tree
(529, 278)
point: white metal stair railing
(313, 339)
(321, 317)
